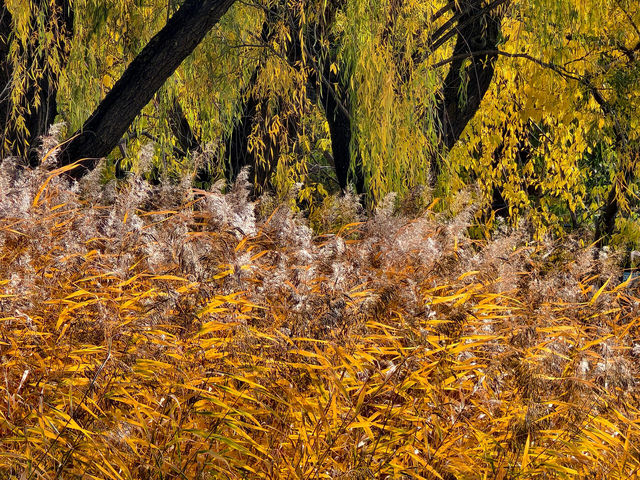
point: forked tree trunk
(478, 30)
(255, 109)
(237, 143)
(143, 77)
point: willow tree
(306, 62)
(267, 124)
(474, 29)
(298, 43)
(477, 29)
(196, 108)
(337, 77)
(527, 99)
(252, 103)
(35, 38)
(565, 93)
(141, 80)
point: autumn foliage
(166, 332)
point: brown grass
(156, 334)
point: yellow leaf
(525, 455)
(599, 292)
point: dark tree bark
(187, 140)
(499, 204)
(39, 105)
(41, 117)
(186, 137)
(253, 109)
(5, 73)
(335, 102)
(478, 30)
(328, 88)
(237, 143)
(257, 109)
(333, 94)
(143, 77)
(606, 222)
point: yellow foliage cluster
(178, 345)
(535, 135)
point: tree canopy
(531, 104)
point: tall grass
(156, 333)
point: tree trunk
(186, 137)
(253, 109)
(333, 96)
(335, 102)
(606, 223)
(143, 77)
(333, 93)
(42, 116)
(237, 143)
(5, 76)
(478, 30)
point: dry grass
(156, 334)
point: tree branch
(442, 39)
(557, 68)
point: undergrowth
(166, 333)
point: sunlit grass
(167, 334)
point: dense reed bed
(162, 332)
